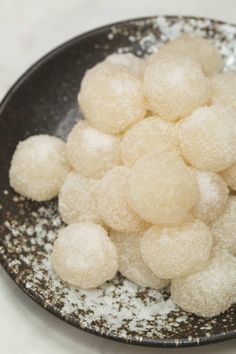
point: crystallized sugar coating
(162, 189)
(39, 167)
(112, 201)
(208, 138)
(175, 86)
(129, 61)
(223, 87)
(77, 201)
(111, 98)
(224, 228)
(230, 176)
(144, 137)
(173, 252)
(92, 152)
(213, 196)
(130, 262)
(210, 291)
(199, 49)
(84, 256)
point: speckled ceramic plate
(44, 100)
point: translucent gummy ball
(130, 261)
(128, 61)
(213, 196)
(84, 256)
(39, 166)
(112, 202)
(162, 189)
(223, 88)
(175, 86)
(208, 138)
(177, 251)
(111, 98)
(146, 136)
(77, 200)
(210, 291)
(92, 152)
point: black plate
(44, 100)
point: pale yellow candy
(210, 291)
(39, 167)
(230, 176)
(162, 189)
(177, 251)
(175, 86)
(223, 88)
(150, 134)
(92, 152)
(111, 98)
(208, 138)
(84, 256)
(130, 261)
(129, 61)
(112, 202)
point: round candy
(224, 228)
(77, 200)
(130, 261)
(39, 167)
(173, 252)
(210, 291)
(111, 98)
(223, 88)
(230, 176)
(175, 86)
(144, 137)
(213, 196)
(112, 202)
(199, 49)
(129, 61)
(84, 256)
(208, 138)
(162, 189)
(92, 152)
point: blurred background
(28, 30)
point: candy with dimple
(209, 292)
(130, 261)
(84, 256)
(39, 166)
(230, 176)
(223, 88)
(112, 201)
(162, 189)
(76, 200)
(208, 138)
(150, 134)
(92, 152)
(224, 228)
(129, 61)
(175, 86)
(213, 196)
(111, 98)
(177, 251)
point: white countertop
(29, 29)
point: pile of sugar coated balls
(144, 180)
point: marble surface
(29, 29)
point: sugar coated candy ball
(111, 98)
(199, 49)
(209, 292)
(208, 138)
(223, 87)
(230, 176)
(130, 261)
(175, 86)
(39, 166)
(77, 201)
(129, 61)
(112, 202)
(162, 189)
(213, 196)
(224, 228)
(146, 136)
(84, 256)
(92, 152)
(173, 252)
